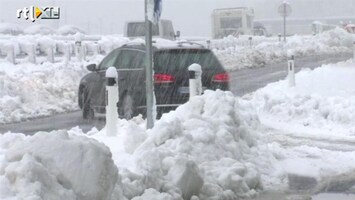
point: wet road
(242, 82)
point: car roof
(161, 44)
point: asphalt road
(242, 82)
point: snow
(311, 126)
(39, 29)
(29, 91)
(323, 99)
(69, 30)
(204, 148)
(11, 29)
(55, 165)
(239, 57)
(216, 146)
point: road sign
(154, 9)
(285, 9)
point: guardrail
(57, 48)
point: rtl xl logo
(33, 13)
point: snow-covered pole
(67, 52)
(10, 53)
(50, 53)
(111, 101)
(78, 46)
(31, 51)
(208, 44)
(291, 70)
(195, 83)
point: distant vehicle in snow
(164, 29)
(232, 21)
(171, 78)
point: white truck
(164, 29)
(232, 21)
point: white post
(31, 51)
(195, 83)
(10, 54)
(291, 71)
(78, 46)
(354, 51)
(67, 52)
(50, 54)
(112, 99)
(250, 41)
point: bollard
(31, 52)
(10, 54)
(250, 41)
(111, 101)
(354, 52)
(50, 54)
(208, 44)
(291, 71)
(67, 52)
(279, 37)
(195, 83)
(78, 46)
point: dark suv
(171, 78)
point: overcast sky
(191, 17)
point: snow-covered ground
(29, 91)
(239, 57)
(216, 146)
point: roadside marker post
(250, 41)
(195, 82)
(10, 54)
(111, 101)
(67, 52)
(291, 71)
(78, 46)
(50, 54)
(354, 51)
(31, 52)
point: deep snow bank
(55, 166)
(207, 148)
(323, 99)
(330, 42)
(28, 90)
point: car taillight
(221, 78)
(163, 78)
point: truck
(164, 29)
(232, 21)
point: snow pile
(39, 29)
(11, 29)
(29, 91)
(323, 99)
(206, 149)
(54, 166)
(330, 42)
(69, 30)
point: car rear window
(178, 59)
